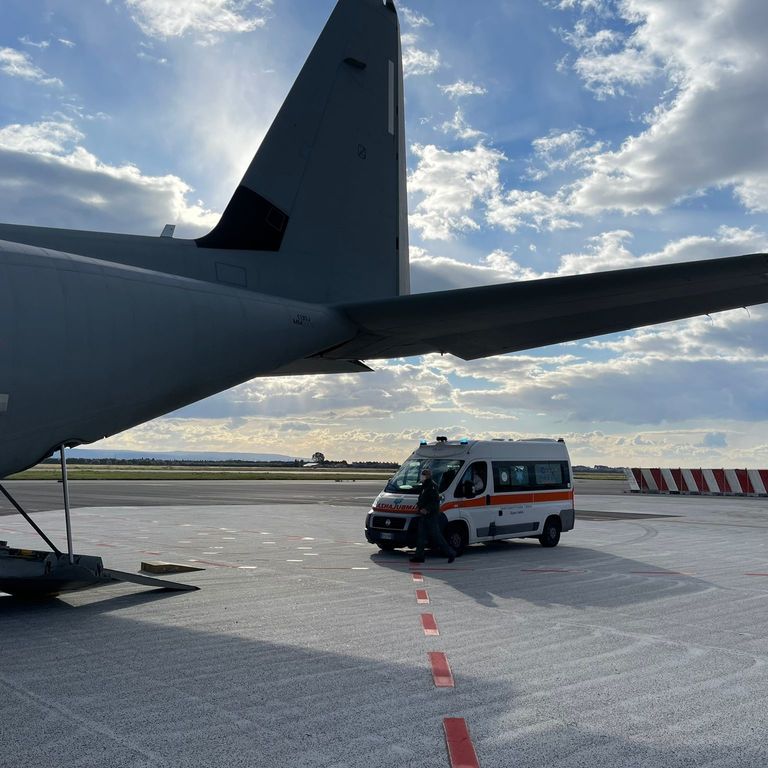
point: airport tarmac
(639, 641)
(42, 495)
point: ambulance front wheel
(457, 537)
(551, 534)
(386, 546)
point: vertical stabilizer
(327, 187)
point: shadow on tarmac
(573, 576)
(20, 606)
(83, 684)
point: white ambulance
(489, 490)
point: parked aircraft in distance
(306, 272)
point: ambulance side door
(472, 496)
(513, 499)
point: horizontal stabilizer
(491, 320)
(311, 366)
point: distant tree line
(295, 463)
(601, 468)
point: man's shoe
(451, 559)
(417, 559)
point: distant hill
(91, 453)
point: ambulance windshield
(408, 477)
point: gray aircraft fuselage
(89, 348)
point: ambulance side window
(476, 478)
(509, 476)
(551, 474)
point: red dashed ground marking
(422, 597)
(429, 624)
(417, 577)
(756, 574)
(461, 751)
(441, 670)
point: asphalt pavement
(42, 495)
(639, 641)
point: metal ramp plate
(34, 574)
(149, 581)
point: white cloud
(450, 185)
(205, 18)
(413, 18)
(561, 151)
(707, 130)
(599, 6)
(394, 388)
(608, 60)
(441, 273)
(417, 62)
(459, 127)
(18, 64)
(47, 138)
(373, 442)
(70, 186)
(457, 185)
(42, 44)
(517, 208)
(607, 74)
(461, 89)
(145, 56)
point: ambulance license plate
(386, 536)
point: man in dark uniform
(428, 506)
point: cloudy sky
(545, 137)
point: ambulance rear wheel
(551, 534)
(457, 538)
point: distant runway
(642, 640)
(42, 495)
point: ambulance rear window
(548, 474)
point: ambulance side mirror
(467, 489)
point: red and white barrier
(712, 482)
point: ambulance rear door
(554, 490)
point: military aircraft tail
(326, 188)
